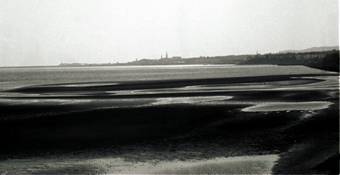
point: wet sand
(187, 120)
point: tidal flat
(197, 119)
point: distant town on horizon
(313, 57)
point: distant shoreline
(325, 60)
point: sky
(49, 32)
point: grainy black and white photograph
(169, 87)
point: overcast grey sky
(48, 32)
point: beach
(170, 119)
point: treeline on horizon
(326, 60)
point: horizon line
(116, 63)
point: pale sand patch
(198, 100)
(44, 101)
(230, 165)
(288, 106)
(257, 164)
(84, 84)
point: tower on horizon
(166, 56)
